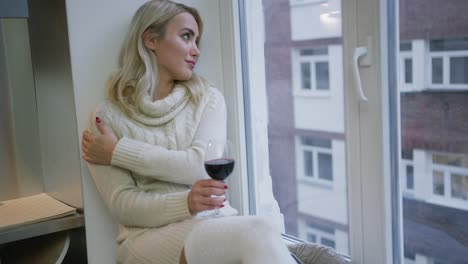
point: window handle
(359, 52)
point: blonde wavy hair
(138, 68)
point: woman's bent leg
(242, 239)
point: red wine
(219, 169)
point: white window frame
(446, 56)
(298, 59)
(300, 161)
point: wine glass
(219, 160)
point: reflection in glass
(437, 70)
(308, 163)
(438, 182)
(409, 177)
(459, 186)
(305, 75)
(321, 73)
(459, 70)
(408, 70)
(325, 166)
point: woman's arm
(132, 206)
(178, 166)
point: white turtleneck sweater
(158, 157)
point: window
(316, 160)
(313, 78)
(450, 179)
(409, 177)
(321, 235)
(448, 63)
(406, 66)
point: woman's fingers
(208, 191)
(206, 195)
(209, 203)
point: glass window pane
(408, 70)
(438, 182)
(322, 76)
(325, 166)
(305, 75)
(459, 186)
(311, 238)
(433, 132)
(327, 242)
(451, 44)
(450, 159)
(407, 46)
(315, 51)
(459, 70)
(316, 142)
(316, 121)
(308, 163)
(409, 177)
(437, 70)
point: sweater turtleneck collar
(164, 110)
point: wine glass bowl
(219, 161)
(219, 169)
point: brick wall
(433, 19)
(436, 121)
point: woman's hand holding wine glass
(219, 160)
(206, 195)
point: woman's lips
(191, 63)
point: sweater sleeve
(132, 206)
(178, 166)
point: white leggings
(236, 239)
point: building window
(316, 158)
(406, 66)
(450, 178)
(409, 70)
(321, 235)
(448, 63)
(409, 177)
(313, 75)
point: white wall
(324, 113)
(326, 23)
(96, 30)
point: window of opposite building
(407, 176)
(311, 71)
(448, 63)
(321, 235)
(315, 160)
(450, 179)
(406, 66)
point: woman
(146, 145)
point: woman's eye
(186, 36)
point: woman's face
(177, 51)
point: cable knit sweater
(158, 157)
